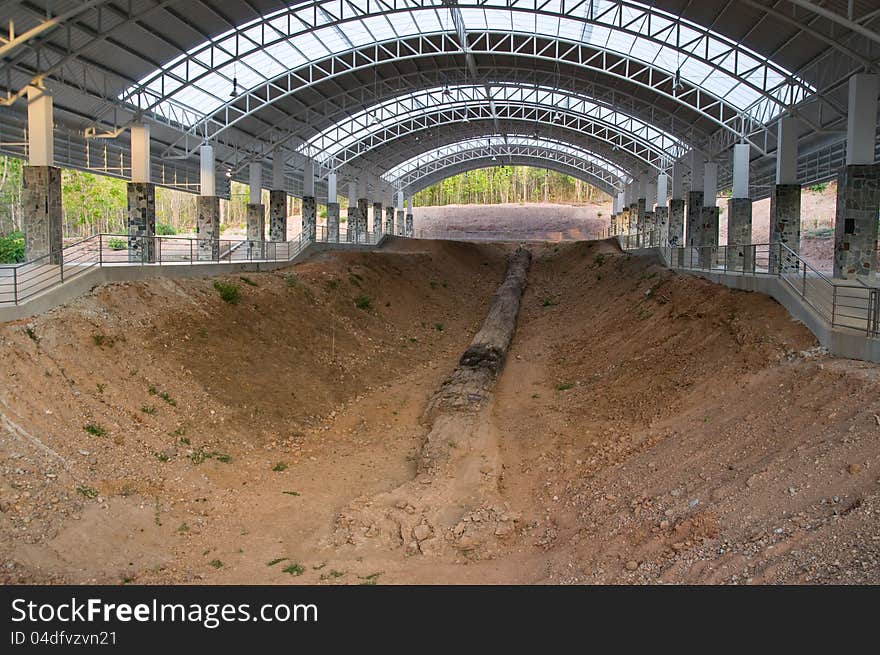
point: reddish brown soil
(648, 427)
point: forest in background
(95, 203)
(509, 184)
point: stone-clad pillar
(208, 228)
(785, 199)
(389, 219)
(41, 183)
(309, 204)
(855, 229)
(256, 230)
(410, 224)
(707, 231)
(401, 222)
(333, 222)
(858, 184)
(41, 212)
(377, 218)
(141, 199)
(363, 208)
(309, 218)
(695, 200)
(207, 209)
(785, 224)
(277, 215)
(676, 221)
(739, 234)
(141, 222)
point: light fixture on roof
(234, 92)
(447, 92)
(557, 117)
(677, 84)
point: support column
(278, 201)
(389, 219)
(377, 218)
(401, 216)
(708, 228)
(309, 204)
(141, 199)
(631, 208)
(332, 210)
(858, 185)
(208, 209)
(41, 184)
(676, 207)
(410, 223)
(740, 254)
(351, 222)
(785, 200)
(661, 213)
(695, 200)
(363, 209)
(256, 214)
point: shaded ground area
(647, 427)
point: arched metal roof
(362, 86)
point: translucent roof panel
(500, 142)
(309, 31)
(364, 125)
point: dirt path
(647, 427)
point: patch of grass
(600, 259)
(163, 457)
(277, 561)
(248, 281)
(183, 529)
(164, 395)
(434, 285)
(363, 302)
(820, 233)
(28, 330)
(291, 493)
(372, 578)
(95, 430)
(88, 492)
(200, 455)
(12, 248)
(332, 285)
(565, 386)
(165, 230)
(439, 327)
(294, 569)
(116, 243)
(100, 387)
(549, 302)
(216, 563)
(818, 188)
(149, 409)
(229, 292)
(223, 458)
(280, 466)
(101, 340)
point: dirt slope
(647, 427)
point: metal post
(190, 251)
(15, 284)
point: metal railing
(853, 305)
(343, 235)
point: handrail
(841, 303)
(22, 281)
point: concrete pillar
(141, 199)
(410, 223)
(352, 215)
(207, 208)
(708, 226)
(695, 199)
(675, 237)
(858, 185)
(785, 200)
(661, 212)
(41, 183)
(256, 213)
(309, 204)
(739, 214)
(278, 200)
(332, 209)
